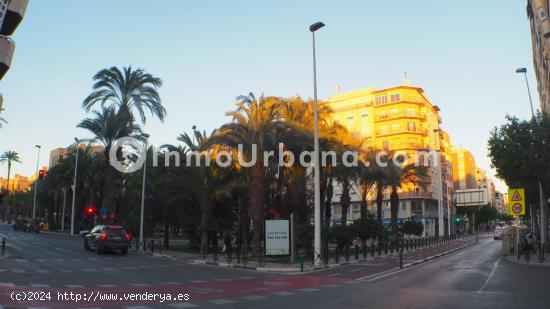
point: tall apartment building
(60, 153)
(464, 169)
(537, 11)
(11, 15)
(399, 118)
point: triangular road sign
(516, 196)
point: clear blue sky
(463, 53)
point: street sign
(516, 203)
(277, 238)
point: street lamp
(543, 208)
(36, 182)
(73, 209)
(146, 136)
(317, 177)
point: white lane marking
(170, 283)
(39, 285)
(197, 281)
(72, 286)
(334, 275)
(222, 279)
(20, 260)
(283, 293)
(89, 270)
(76, 259)
(380, 275)
(182, 305)
(65, 270)
(140, 284)
(128, 267)
(331, 286)
(108, 268)
(42, 271)
(58, 260)
(254, 297)
(7, 284)
(107, 285)
(2, 270)
(308, 290)
(19, 271)
(357, 269)
(14, 247)
(491, 274)
(39, 260)
(222, 301)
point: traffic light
(41, 174)
(90, 211)
(458, 220)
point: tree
(519, 152)
(9, 157)
(412, 228)
(129, 90)
(255, 125)
(107, 127)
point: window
(381, 99)
(403, 205)
(413, 142)
(395, 127)
(364, 115)
(383, 115)
(411, 126)
(395, 97)
(350, 117)
(411, 111)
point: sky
(462, 53)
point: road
(474, 277)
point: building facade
(11, 15)
(537, 11)
(399, 119)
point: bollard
(356, 252)
(152, 246)
(302, 263)
(401, 258)
(372, 249)
(3, 246)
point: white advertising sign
(277, 237)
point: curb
(438, 255)
(535, 261)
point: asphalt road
(474, 277)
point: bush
(412, 228)
(366, 228)
(342, 235)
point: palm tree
(398, 176)
(255, 122)
(9, 157)
(107, 127)
(129, 90)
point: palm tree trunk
(204, 234)
(379, 201)
(345, 203)
(364, 206)
(394, 208)
(9, 170)
(257, 199)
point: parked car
(497, 232)
(107, 237)
(26, 225)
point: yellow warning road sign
(516, 201)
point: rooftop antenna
(406, 81)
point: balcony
(14, 16)
(385, 117)
(422, 132)
(545, 28)
(6, 53)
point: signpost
(277, 238)
(516, 202)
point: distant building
(537, 11)
(464, 169)
(60, 153)
(19, 183)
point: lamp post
(543, 208)
(36, 182)
(146, 136)
(317, 176)
(73, 206)
(440, 191)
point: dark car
(107, 237)
(26, 225)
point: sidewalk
(534, 260)
(410, 257)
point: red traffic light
(41, 174)
(90, 211)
